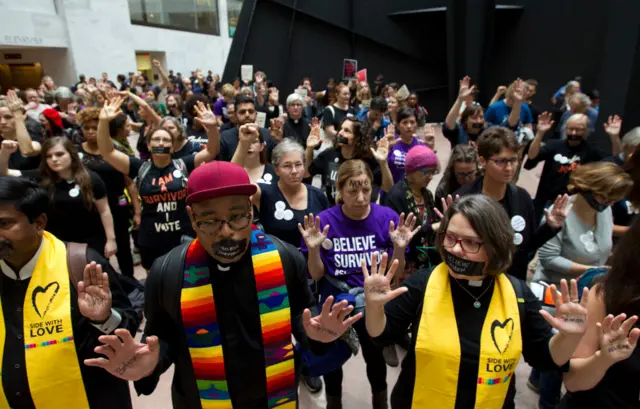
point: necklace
(477, 303)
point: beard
(6, 249)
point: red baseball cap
(218, 179)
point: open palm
(617, 338)
(401, 236)
(377, 284)
(382, 153)
(94, 293)
(571, 315)
(311, 233)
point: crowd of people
(262, 219)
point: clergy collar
(26, 271)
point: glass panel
(135, 10)
(181, 13)
(207, 16)
(233, 11)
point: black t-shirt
(459, 135)
(114, 181)
(227, 125)
(164, 216)
(327, 165)
(229, 143)
(406, 311)
(197, 135)
(280, 219)
(336, 117)
(189, 149)
(560, 160)
(69, 218)
(19, 162)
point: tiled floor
(358, 395)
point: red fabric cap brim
(235, 190)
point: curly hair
(88, 114)
(362, 137)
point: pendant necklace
(477, 304)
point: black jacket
(517, 202)
(239, 321)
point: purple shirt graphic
(397, 155)
(350, 241)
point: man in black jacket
(51, 322)
(221, 213)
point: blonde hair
(605, 179)
(228, 90)
(351, 169)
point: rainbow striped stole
(203, 334)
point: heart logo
(41, 298)
(501, 333)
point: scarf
(55, 380)
(203, 333)
(438, 346)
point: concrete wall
(31, 23)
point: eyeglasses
(246, 111)
(290, 166)
(90, 128)
(235, 223)
(468, 245)
(466, 175)
(502, 162)
(429, 172)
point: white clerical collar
(223, 268)
(475, 283)
(26, 271)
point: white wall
(184, 51)
(26, 23)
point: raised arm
(163, 75)
(115, 158)
(544, 124)
(498, 95)
(154, 118)
(454, 112)
(26, 145)
(248, 134)
(313, 142)
(210, 124)
(612, 127)
(313, 238)
(518, 97)
(7, 148)
(381, 154)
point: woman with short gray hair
(284, 204)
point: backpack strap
(76, 261)
(514, 204)
(518, 286)
(142, 172)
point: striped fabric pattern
(203, 334)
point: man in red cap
(223, 308)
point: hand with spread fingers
(276, 129)
(446, 204)
(571, 313)
(545, 122)
(561, 208)
(111, 108)
(402, 234)
(314, 140)
(613, 126)
(465, 90)
(94, 293)
(332, 321)
(125, 357)
(618, 337)
(311, 233)
(382, 152)
(377, 284)
(13, 102)
(205, 116)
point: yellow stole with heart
(438, 346)
(51, 360)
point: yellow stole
(438, 346)
(52, 365)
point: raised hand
(571, 313)
(377, 284)
(126, 358)
(276, 129)
(401, 236)
(556, 217)
(465, 90)
(382, 152)
(155, 63)
(13, 102)
(446, 204)
(331, 323)
(314, 140)
(205, 116)
(501, 90)
(545, 122)
(429, 136)
(111, 108)
(518, 90)
(9, 146)
(617, 338)
(613, 126)
(311, 233)
(94, 293)
(249, 133)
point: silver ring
(576, 301)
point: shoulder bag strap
(76, 261)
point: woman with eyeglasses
(115, 183)
(284, 203)
(410, 195)
(161, 181)
(400, 145)
(471, 321)
(353, 141)
(336, 243)
(79, 210)
(497, 150)
(463, 168)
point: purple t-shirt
(220, 109)
(350, 241)
(397, 155)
